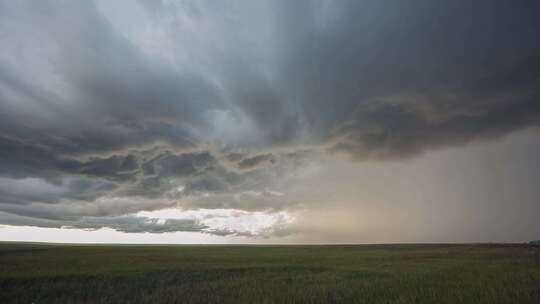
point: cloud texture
(108, 108)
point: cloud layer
(111, 108)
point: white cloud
(227, 220)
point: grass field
(33, 273)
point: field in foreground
(32, 273)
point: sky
(354, 121)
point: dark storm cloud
(118, 97)
(26, 191)
(114, 167)
(401, 126)
(394, 79)
(187, 164)
(255, 161)
(140, 102)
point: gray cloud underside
(127, 224)
(132, 101)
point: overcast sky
(362, 121)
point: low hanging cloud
(109, 108)
(255, 161)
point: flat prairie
(409, 273)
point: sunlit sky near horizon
(262, 122)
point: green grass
(34, 273)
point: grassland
(33, 273)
